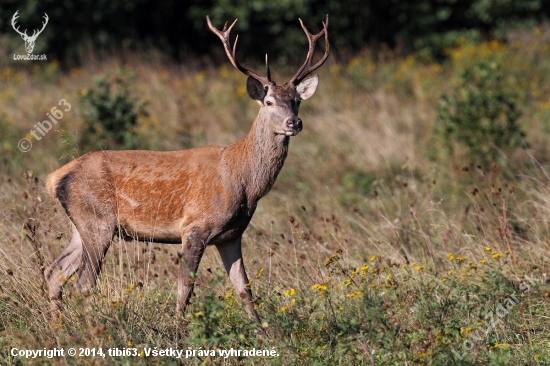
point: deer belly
(151, 231)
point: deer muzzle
(292, 126)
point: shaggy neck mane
(255, 160)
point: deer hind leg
(64, 267)
(232, 259)
(97, 235)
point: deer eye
(269, 104)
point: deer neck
(255, 160)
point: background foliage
(178, 28)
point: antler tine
(268, 73)
(13, 21)
(14, 18)
(306, 68)
(223, 35)
(43, 24)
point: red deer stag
(197, 197)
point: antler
(306, 68)
(15, 16)
(34, 34)
(43, 26)
(224, 36)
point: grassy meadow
(385, 241)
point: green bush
(481, 114)
(111, 114)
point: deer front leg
(232, 258)
(193, 246)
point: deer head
(29, 41)
(279, 104)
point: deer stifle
(197, 197)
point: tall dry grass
(370, 215)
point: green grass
(376, 246)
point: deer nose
(293, 123)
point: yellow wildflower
(353, 294)
(332, 258)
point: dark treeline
(178, 28)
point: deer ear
(307, 87)
(255, 89)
